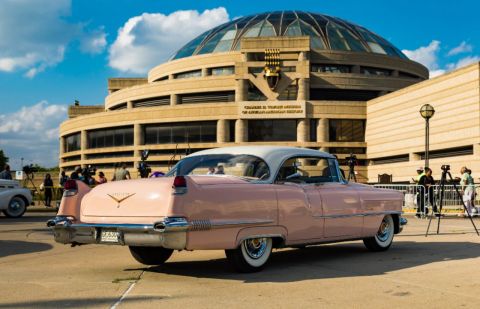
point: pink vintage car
(245, 200)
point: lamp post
(427, 111)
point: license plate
(109, 236)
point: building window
(115, 137)
(272, 130)
(448, 152)
(119, 107)
(254, 94)
(407, 75)
(375, 71)
(290, 93)
(222, 71)
(175, 133)
(231, 123)
(346, 130)
(325, 94)
(72, 142)
(331, 68)
(391, 159)
(152, 102)
(348, 150)
(313, 130)
(189, 74)
(207, 97)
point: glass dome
(326, 32)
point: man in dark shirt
(5, 174)
(428, 183)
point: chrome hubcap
(384, 231)
(255, 247)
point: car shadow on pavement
(14, 247)
(329, 261)
(25, 219)
(80, 302)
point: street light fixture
(427, 111)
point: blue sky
(53, 52)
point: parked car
(14, 199)
(244, 200)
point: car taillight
(179, 185)
(70, 187)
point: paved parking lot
(440, 271)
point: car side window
(308, 170)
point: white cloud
(463, 62)
(94, 42)
(34, 35)
(149, 39)
(464, 47)
(429, 57)
(32, 133)
(426, 55)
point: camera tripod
(443, 180)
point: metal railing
(415, 196)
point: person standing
(63, 179)
(101, 178)
(428, 183)
(122, 173)
(6, 174)
(420, 193)
(48, 187)
(468, 188)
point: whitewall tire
(384, 237)
(251, 255)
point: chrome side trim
(217, 224)
(366, 214)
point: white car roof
(274, 156)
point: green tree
(3, 159)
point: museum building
(290, 78)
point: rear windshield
(245, 166)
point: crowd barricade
(414, 195)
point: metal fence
(415, 196)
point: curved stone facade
(224, 99)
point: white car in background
(14, 199)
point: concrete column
(61, 148)
(129, 104)
(171, 76)
(303, 130)
(241, 91)
(174, 99)
(322, 130)
(302, 56)
(138, 141)
(241, 130)
(223, 131)
(204, 72)
(303, 89)
(322, 133)
(84, 146)
(137, 135)
(356, 69)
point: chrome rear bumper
(170, 233)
